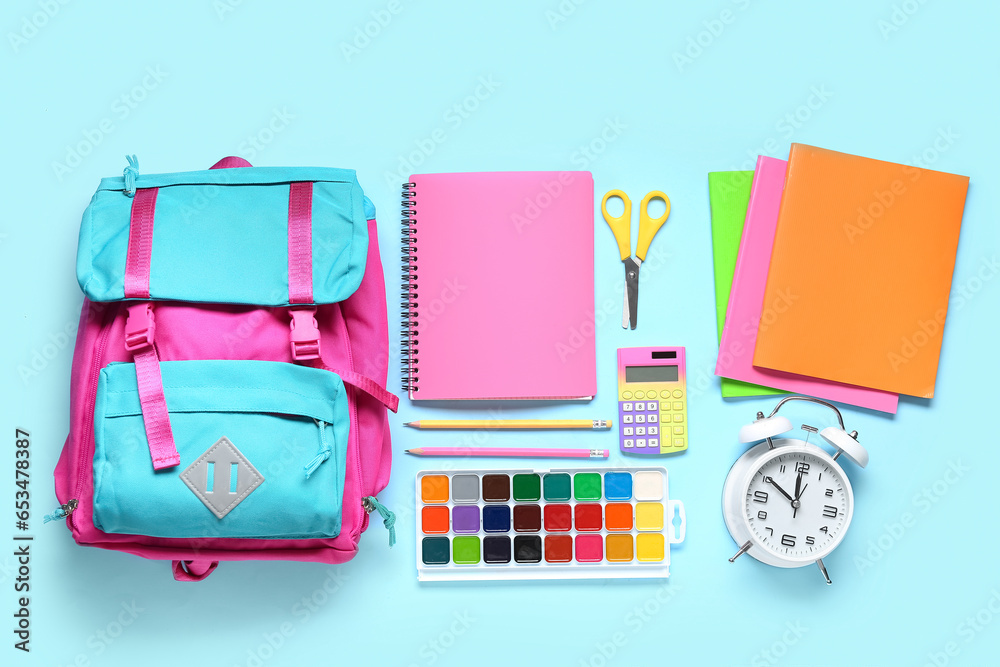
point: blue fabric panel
(221, 236)
(267, 409)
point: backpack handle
(230, 162)
(193, 570)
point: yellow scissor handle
(620, 225)
(649, 226)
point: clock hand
(770, 480)
(798, 492)
(796, 504)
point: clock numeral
(770, 529)
(824, 529)
(810, 539)
(782, 468)
(760, 496)
(802, 467)
(788, 540)
(829, 493)
(820, 477)
(762, 514)
(829, 511)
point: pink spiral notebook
(748, 314)
(498, 286)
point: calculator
(652, 400)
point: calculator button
(678, 418)
(665, 393)
(665, 405)
(678, 405)
(639, 393)
(640, 442)
(628, 430)
(654, 442)
(678, 442)
(626, 407)
(652, 419)
(640, 430)
(640, 419)
(678, 393)
(652, 430)
(678, 430)
(626, 419)
(628, 442)
(652, 405)
(626, 395)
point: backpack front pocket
(263, 449)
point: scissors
(620, 226)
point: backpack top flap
(269, 236)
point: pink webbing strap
(139, 330)
(154, 410)
(139, 341)
(300, 282)
(304, 330)
(140, 326)
(364, 383)
(140, 244)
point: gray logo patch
(222, 477)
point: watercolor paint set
(580, 523)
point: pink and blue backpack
(228, 395)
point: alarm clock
(788, 502)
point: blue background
(273, 82)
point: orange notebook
(863, 255)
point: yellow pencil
(594, 424)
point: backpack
(228, 398)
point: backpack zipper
(88, 436)
(352, 434)
(64, 511)
(370, 504)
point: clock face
(798, 505)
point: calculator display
(651, 374)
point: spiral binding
(408, 300)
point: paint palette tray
(567, 523)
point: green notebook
(728, 194)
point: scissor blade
(632, 290)
(625, 313)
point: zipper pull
(63, 511)
(324, 450)
(371, 503)
(130, 172)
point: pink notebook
(747, 312)
(498, 286)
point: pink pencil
(510, 451)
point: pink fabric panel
(369, 335)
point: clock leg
(745, 548)
(822, 568)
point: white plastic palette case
(565, 523)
